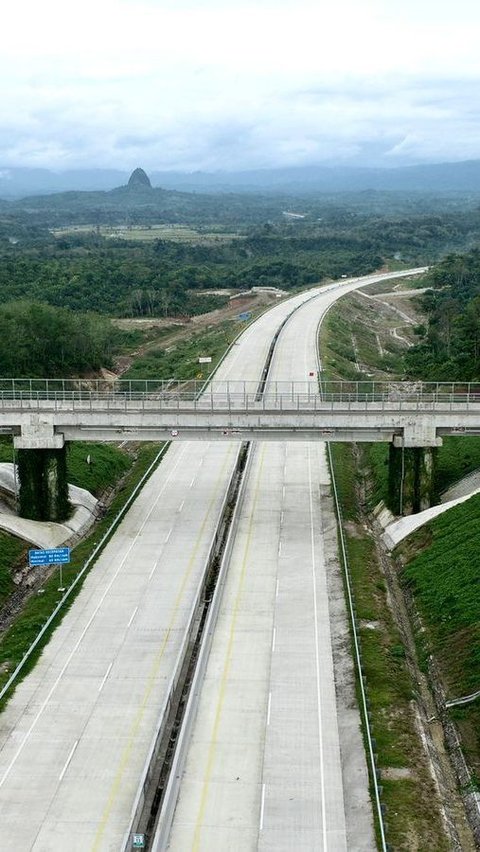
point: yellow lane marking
(116, 784)
(227, 663)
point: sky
(233, 84)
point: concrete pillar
(411, 479)
(43, 494)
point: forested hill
(144, 204)
(450, 348)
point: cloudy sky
(237, 84)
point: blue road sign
(55, 556)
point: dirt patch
(354, 530)
(396, 773)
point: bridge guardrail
(174, 390)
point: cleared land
(149, 233)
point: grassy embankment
(440, 567)
(349, 342)
(181, 360)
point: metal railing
(313, 394)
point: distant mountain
(461, 177)
(441, 177)
(20, 182)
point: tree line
(40, 340)
(449, 349)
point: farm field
(149, 233)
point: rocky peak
(139, 180)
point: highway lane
(75, 735)
(266, 768)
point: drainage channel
(153, 811)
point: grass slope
(445, 578)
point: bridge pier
(42, 470)
(411, 479)
(43, 493)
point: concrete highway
(270, 760)
(75, 736)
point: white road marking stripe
(279, 548)
(181, 506)
(105, 677)
(276, 590)
(62, 773)
(262, 807)
(167, 536)
(274, 636)
(132, 616)
(193, 480)
(269, 707)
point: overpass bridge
(43, 414)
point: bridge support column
(411, 479)
(43, 494)
(42, 470)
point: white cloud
(189, 84)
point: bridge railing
(174, 393)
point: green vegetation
(442, 572)
(450, 348)
(446, 581)
(357, 341)
(181, 361)
(11, 551)
(456, 458)
(106, 465)
(39, 340)
(389, 684)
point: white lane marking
(132, 616)
(279, 548)
(281, 518)
(105, 677)
(283, 491)
(167, 536)
(274, 636)
(276, 590)
(317, 660)
(269, 707)
(62, 773)
(152, 572)
(193, 480)
(262, 807)
(181, 506)
(89, 622)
